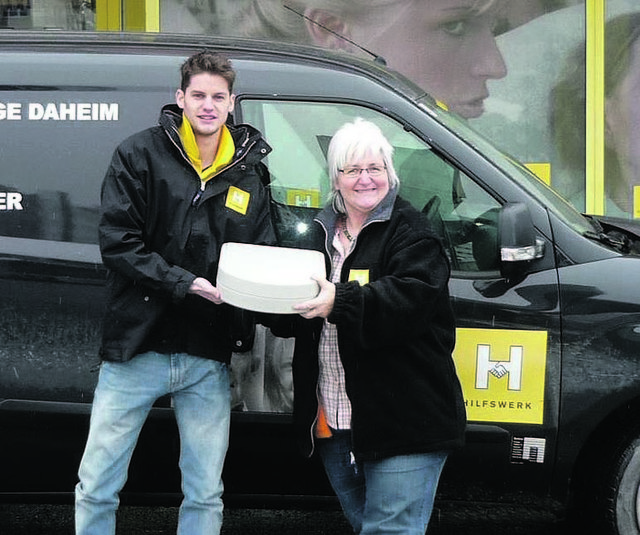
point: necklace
(345, 230)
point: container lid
(268, 279)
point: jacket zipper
(313, 426)
(352, 458)
(198, 195)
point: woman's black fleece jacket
(396, 335)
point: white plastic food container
(268, 279)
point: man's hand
(204, 288)
(321, 305)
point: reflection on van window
(58, 183)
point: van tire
(608, 501)
(624, 504)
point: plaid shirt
(331, 383)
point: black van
(547, 299)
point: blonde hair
(284, 20)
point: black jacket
(159, 231)
(396, 335)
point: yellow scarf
(226, 150)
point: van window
(462, 212)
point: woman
(445, 46)
(375, 388)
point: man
(173, 194)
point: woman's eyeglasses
(374, 171)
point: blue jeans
(393, 495)
(123, 398)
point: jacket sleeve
(122, 228)
(406, 296)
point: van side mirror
(517, 240)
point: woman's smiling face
(363, 190)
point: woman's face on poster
(445, 46)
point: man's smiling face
(206, 103)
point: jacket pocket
(128, 320)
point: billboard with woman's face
(516, 69)
(502, 64)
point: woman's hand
(321, 305)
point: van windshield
(512, 167)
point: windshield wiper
(616, 240)
(613, 238)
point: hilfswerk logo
(511, 369)
(503, 374)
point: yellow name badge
(237, 200)
(502, 374)
(360, 275)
